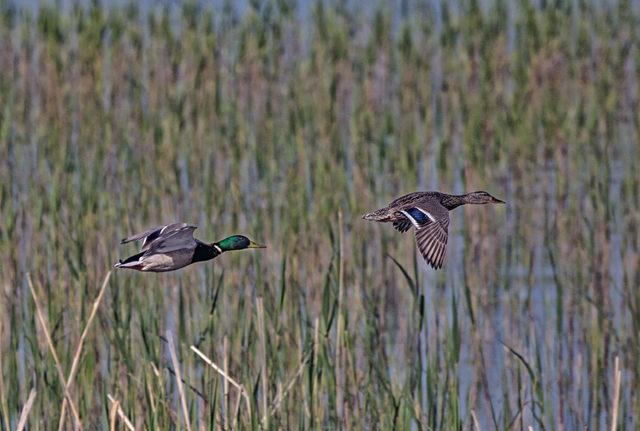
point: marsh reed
(273, 120)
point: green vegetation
(113, 119)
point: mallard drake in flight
(428, 213)
(171, 247)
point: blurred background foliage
(270, 118)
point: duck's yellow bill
(256, 245)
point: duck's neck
(206, 251)
(452, 201)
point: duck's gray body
(167, 248)
(160, 262)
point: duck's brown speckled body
(428, 213)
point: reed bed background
(286, 121)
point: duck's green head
(237, 242)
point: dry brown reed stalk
(340, 376)
(263, 361)
(149, 388)
(236, 410)
(238, 386)
(225, 382)
(474, 419)
(176, 367)
(76, 356)
(94, 310)
(113, 414)
(63, 380)
(24, 415)
(121, 414)
(617, 377)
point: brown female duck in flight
(171, 247)
(428, 212)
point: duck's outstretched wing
(150, 237)
(432, 231)
(432, 242)
(402, 225)
(178, 236)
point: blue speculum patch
(418, 215)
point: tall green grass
(115, 118)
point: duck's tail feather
(130, 262)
